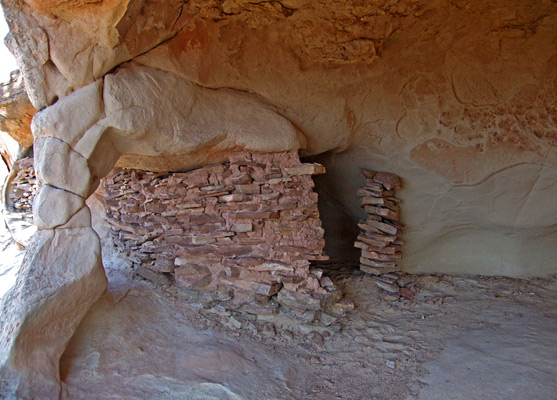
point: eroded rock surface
(16, 110)
(458, 98)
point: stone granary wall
(18, 194)
(21, 187)
(249, 226)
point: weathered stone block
(157, 277)
(381, 211)
(381, 257)
(298, 300)
(164, 264)
(267, 289)
(252, 188)
(273, 266)
(203, 240)
(54, 207)
(377, 264)
(242, 227)
(306, 169)
(388, 180)
(58, 165)
(379, 227)
(192, 276)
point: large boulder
(60, 278)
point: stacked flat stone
(22, 187)
(250, 225)
(380, 234)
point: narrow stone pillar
(62, 273)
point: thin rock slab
(378, 227)
(191, 276)
(377, 264)
(376, 270)
(54, 290)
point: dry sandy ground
(460, 338)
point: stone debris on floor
(398, 285)
(245, 231)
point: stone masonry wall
(18, 194)
(21, 187)
(380, 236)
(249, 227)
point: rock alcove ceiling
(457, 98)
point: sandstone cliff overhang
(457, 98)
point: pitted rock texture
(250, 227)
(457, 97)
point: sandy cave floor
(460, 338)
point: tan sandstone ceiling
(427, 79)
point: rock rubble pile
(398, 285)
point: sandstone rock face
(53, 292)
(151, 113)
(72, 116)
(458, 98)
(60, 166)
(16, 110)
(54, 207)
(62, 274)
(61, 277)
